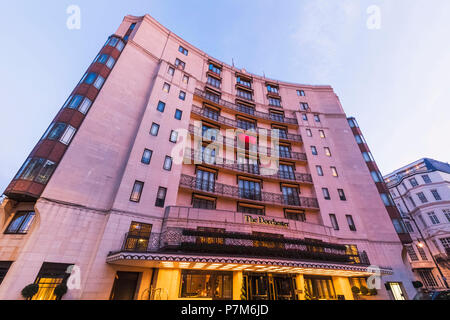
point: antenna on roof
(232, 61)
(264, 74)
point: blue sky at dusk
(395, 80)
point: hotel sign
(265, 221)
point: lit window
(20, 223)
(155, 129)
(166, 87)
(161, 106)
(168, 163)
(171, 71)
(327, 151)
(161, 197)
(322, 134)
(49, 277)
(185, 79)
(137, 191)
(334, 172)
(180, 63)
(178, 114)
(147, 156)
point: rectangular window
(446, 213)
(67, 135)
(45, 172)
(422, 253)
(20, 223)
(427, 277)
(138, 237)
(319, 170)
(375, 176)
(173, 136)
(251, 209)
(178, 114)
(290, 195)
(185, 79)
(327, 151)
(326, 194)
(436, 195)
(182, 95)
(171, 71)
(314, 150)
(85, 105)
(137, 191)
(342, 195)
(276, 116)
(245, 82)
(272, 89)
(422, 197)
(245, 124)
(244, 94)
(4, 267)
(334, 172)
(446, 244)
(183, 50)
(99, 82)
(304, 117)
(110, 63)
(56, 131)
(155, 129)
(166, 88)
(201, 202)
(161, 106)
(411, 253)
(409, 227)
(298, 215)
(245, 109)
(412, 201)
(426, 178)
(367, 156)
(249, 189)
(284, 151)
(301, 93)
(167, 163)
(309, 132)
(48, 278)
(322, 134)
(304, 106)
(213, 81)
(386, 199)
(211, 113)
(334, 221)
(351, 223)
(275, 102)
(206, 284)
(206, 180)
(214, 69)
(147, 156)
(413, 182)
(433, 218)
(161, 197)
(316, 118)
(180, 64)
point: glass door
(397, 291)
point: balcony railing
(232, 106)
(233, 123)
(299, 156)
(192, 183)
(254, 169)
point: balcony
(251, 169)
(263, 151)
(233, 123)
(233, 192)
(234, 107)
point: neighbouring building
(421, 191)
(168, 174)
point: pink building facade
(168, 174)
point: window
(102, 58)
(209, 133)
(90, 78)
(359, 139)
(290, 195)
(147, 156)
(183, 50)
(298, 215)
(244, 94)
(327, 151)
(137, 191)
(446, 213)
(206, 180)
(185, 79)
(409, 227)
(56, 131)
(213, 81)
(276, 116)
(322, 134)
(375, 176)
(319, 170)
(161, 106)
(206, 284)
(110, 63)
(433, 218)
(4, 267)
(167, 163)
(171, 71)
(201, 202)
(275, 102)
(413, 182)
(287, 171)
(304, 106)
(308, 132)
(99, 82)
(301, 93)
(120, 45)
(180, 64)
(304, 117)
(166, 87)
(246, 124)
(245, 82)
(20, 223)
(422, 197)
(367, 156)
(112, 42)
(210, 240)
(426, 178)
(85, 105)
(161, 197)
(422, 220)
(284, 151)
(422, 253)
(326, 194)
(250, 209)
(138, 237)
(436, 195)
(412, 202)
(351, 223)
(386, 199)
(182, 95)
(427, 277)
(411, 253)
(272, 89)
(67, 135)
(334, 221)
(314, 150)
(398, 226)
(155, 129)
(49, 277)
(36, 169)
(214, 69)
(280, 132)
(173, 136)
(178, 114)
(446, 244)
(211, 113)
(245, 108)
(316, 118)
(249, 189)
(342, 195)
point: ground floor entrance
(266, 286)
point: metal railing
(232, 106)
(193, 183)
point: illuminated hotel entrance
(263, 286)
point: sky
(395, 79)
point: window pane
(67, 135)
(46, 172)
(85, 106)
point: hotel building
(421, 191)
(168, 174)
